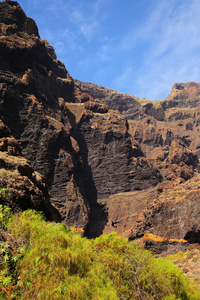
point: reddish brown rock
(174, 214)
(110, 163)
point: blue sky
(139, 47)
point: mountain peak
(14, 19)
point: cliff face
(82, 148)
(155, 124)
(110, 163)
(166, 132)
(104, 173)
(33, 90)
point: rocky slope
(103, 172)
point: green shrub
(59, 264)
(5, 215)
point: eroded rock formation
(175, 214)
(20, 186)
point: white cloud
(88, 29)
(59, 47)
(70, 39)
(86, 25)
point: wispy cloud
(86, 26)
(88, 17)
(70, 39)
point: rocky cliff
(111, 161)
(82, 147)
(33, 90)
(166, 132)
(155, 124)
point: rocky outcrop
(164, 246)
(177, 209)
(13, 20)
(20, 186)
(128, 105)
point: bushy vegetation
(42, 260)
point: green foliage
(10, 255)
(55, 262)
(5, 213)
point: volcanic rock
(34, 87)
(174, 214)
(20, 186)
(82, 147)
(110, 163)
(166, 132)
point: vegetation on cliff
(44, 260)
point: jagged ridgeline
(92, 157)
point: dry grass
(189, 262)
(157, 238)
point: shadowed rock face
(20, 186)
(110, 163)
(34, 87)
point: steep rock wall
(82, 148)
(34, 87)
